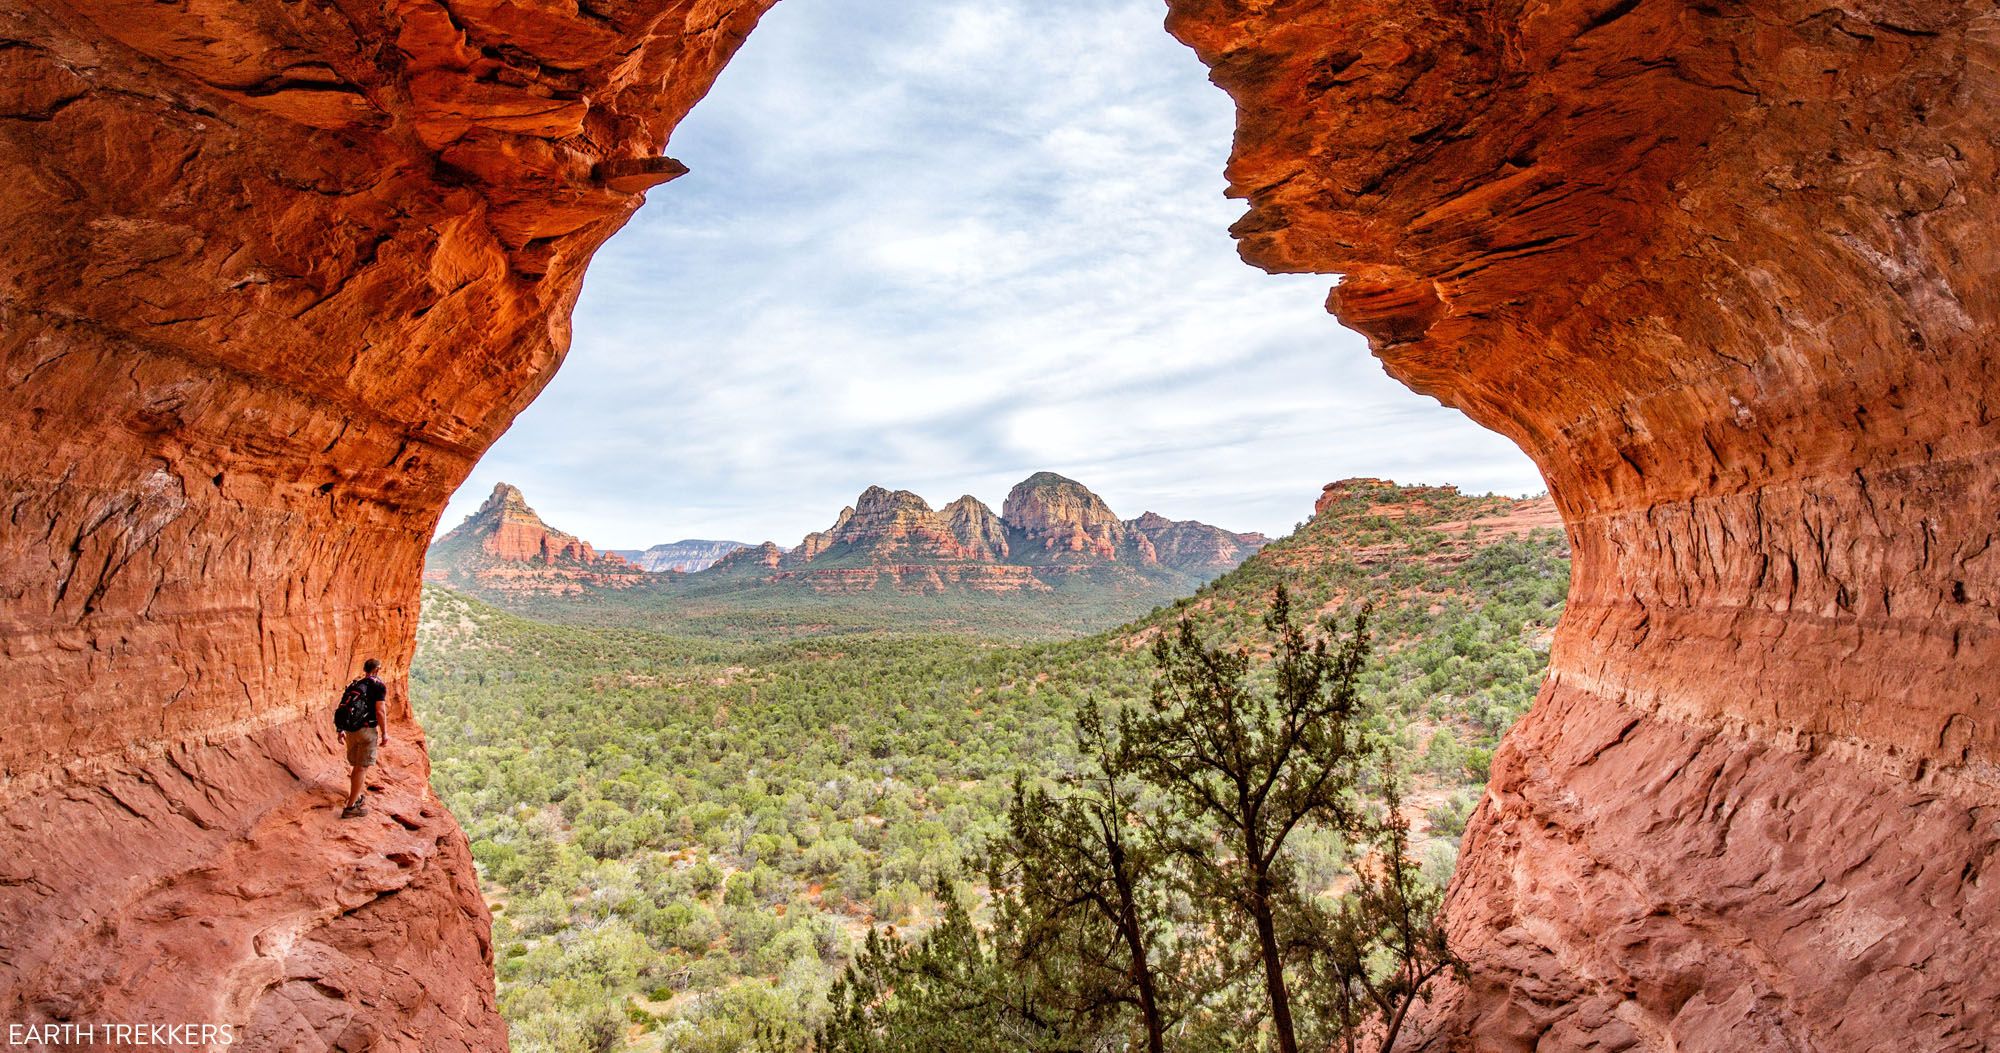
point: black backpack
(356, 709)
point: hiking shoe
(354, 810)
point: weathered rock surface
(983, 534)
(272, 276)
(1059, 520)
(1054, 529)
(505, 548)
(1185, 544)
(886, 526)
(765, 555)
(1725, 272)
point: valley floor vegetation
(689, 842)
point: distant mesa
(684, 557)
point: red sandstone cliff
(1060, 520)
(885, 526)
(505, 548)
(1726, 272)
(1185, 544)
(1053, 528)
(272, 276)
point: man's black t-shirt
(375, 691)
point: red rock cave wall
(272, 276)
(1727, 272)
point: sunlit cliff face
(1722, 272)
(275, 274)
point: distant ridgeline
(1055, 561)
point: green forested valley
(686, 839)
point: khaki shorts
(361, 747)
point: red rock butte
(272, 276)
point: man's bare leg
(354, 778)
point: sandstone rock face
(983, 534)
(821, 540)
(1185, 544)
(1061, 534)
(1061, 520)
(272, 276)
(1055, 529)
(505, 547)
(764, 555)
(1725, 272)
(887, 526)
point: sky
(940, 247)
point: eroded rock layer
(1726, 272)
(272, 275)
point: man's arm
(382, 718)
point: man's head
(370, 666)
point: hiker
(363, 727)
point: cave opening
(940, 251)
(276, 275)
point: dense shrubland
(687, 840)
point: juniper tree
(1086, 880)
(1255, 762)
(1385, 942)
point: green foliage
(615, 778)
(1246, 761)
(1195, 802)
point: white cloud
(940, 247)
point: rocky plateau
(686, 557)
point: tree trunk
(1149, 1007)
(1274, 966)
(1135, 944)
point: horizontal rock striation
(272, 276)
(1188, 545)
(1060, 521)
(1725, 272)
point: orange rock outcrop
(272, 276)
(1725, 271)
(504, 548)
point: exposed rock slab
(1724, 271)
(687, 556)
